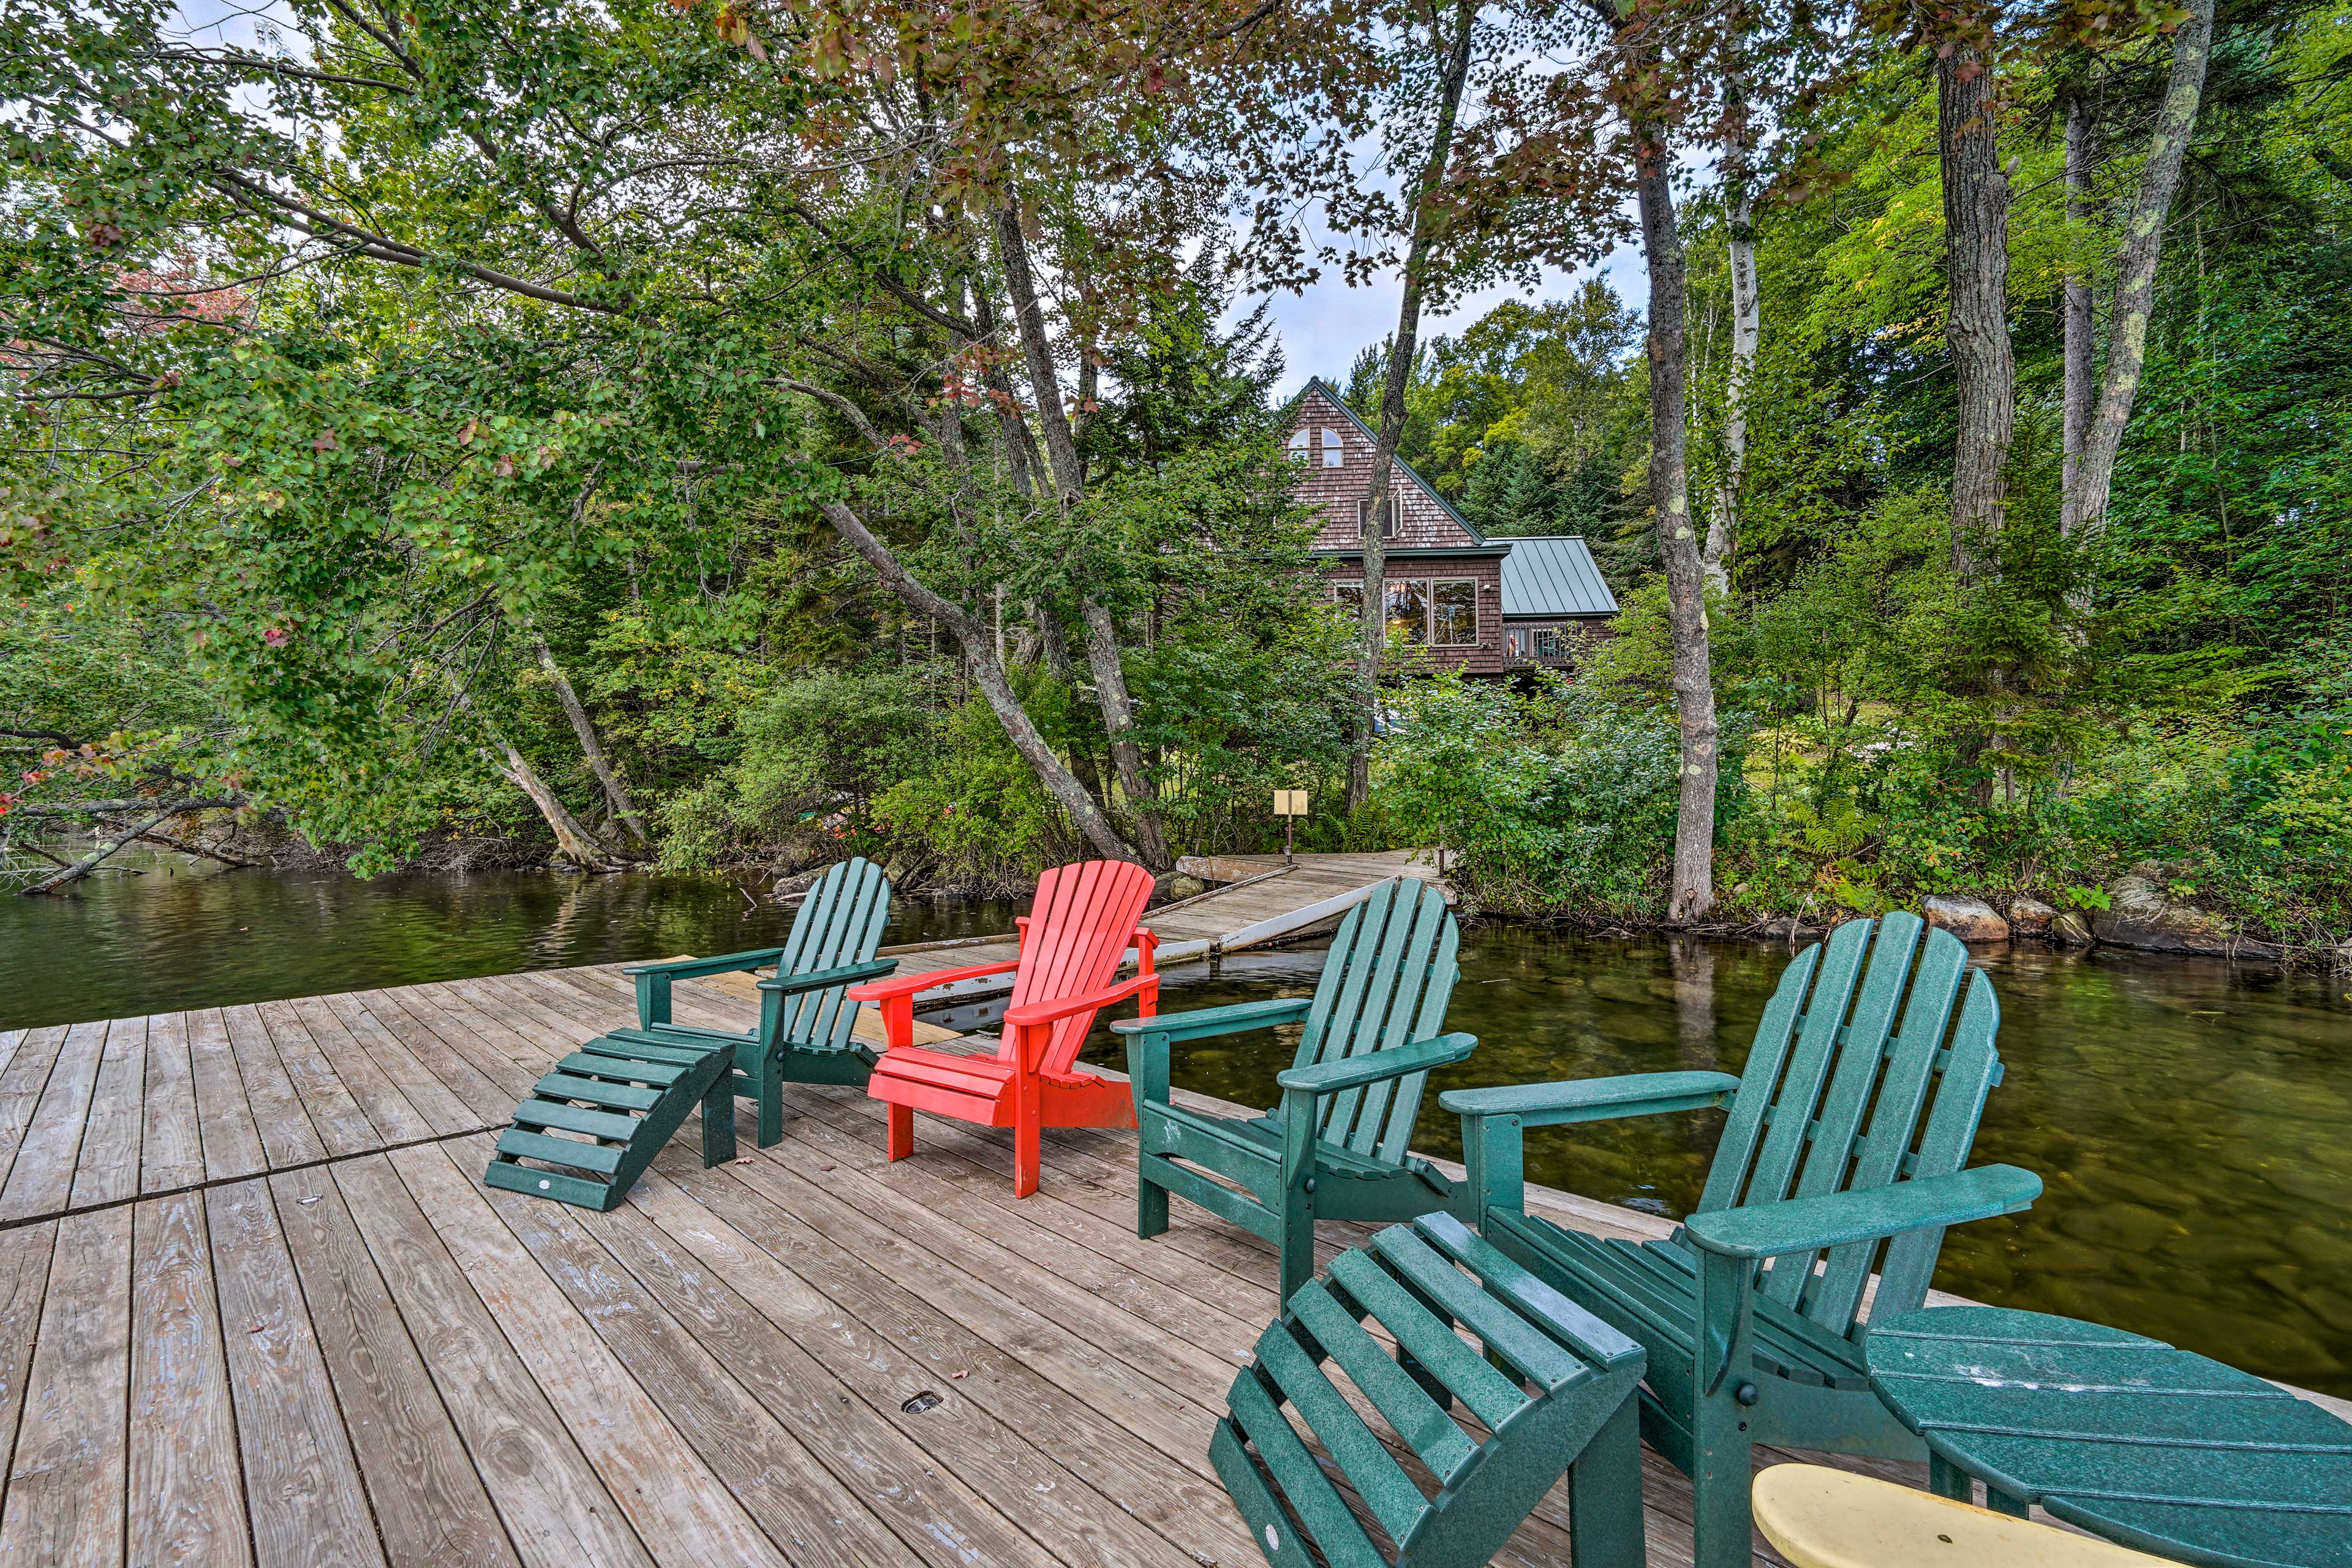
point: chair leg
(1151, 1205)
(1027, 1152)
(1297, 1243)
(902, 1132)
(1722, 1459)
(771, 1103)
(718, 1121)
(1604, 1496)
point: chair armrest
(1032, 1013)
(1593, 1098)
(819, 979)
(1374, 1067)
(1807, 1224)
(907, 984)
(1204, 1022)
(727, 964)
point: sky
(1322, 329)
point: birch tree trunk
(1069, 471)
(2176, 121)
(1693, 892)
(573, 839)
(2082, 326)
(1976, 245)
(1747, 332)
(107, 847)
(988, 675)
(972, 640)
(1383, 509)
(592, 746)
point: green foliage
(1560, 798)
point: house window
(1333, 455)
(1440, 612)
(1298, 446)
(1409, 609)
(1453, 612)
(1363, 518)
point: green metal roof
(1553, 575)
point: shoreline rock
(1971, 920)
(2142, 918)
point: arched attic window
(1334, 455)
(1299, 446)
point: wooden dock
(257, 1306)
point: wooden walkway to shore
(1262, 901)
(256, 1307)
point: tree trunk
(616, 792)
(1069, 486)
(1975, 242)
(2136, 264)
(573, 839)
(990, 676)
(1693, 892)
(2082, 327)
(1382, 509)
(108, 848)
(1747, 330)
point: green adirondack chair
(1751, 1313)
(591, 1127)
(1335, 1147)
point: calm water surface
(2191, 1121)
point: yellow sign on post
(1289, 805)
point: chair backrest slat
(1409, 976)
(1386, 981)
(1744, 1128)
(1800, 1089)
(1080, 926)
(1429, 1020)
(1836, 1291)
(1840, 1106)
(840, 922)
(1967, 1078)
(1853, 1074)
(1375, 1023)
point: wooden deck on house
(257, 1306)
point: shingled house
(1483, 603)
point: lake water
(2191, 1121)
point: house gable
(1332, 429)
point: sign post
(1289, 805)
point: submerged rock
(799, 883)
(1970, 920)
(2029, 917)
(2069, 929)
(2140, 916)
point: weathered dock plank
(187, 1503)
(68, 1475)
(302, 1489)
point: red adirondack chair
(1077, 930)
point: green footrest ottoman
(1371, 1365)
